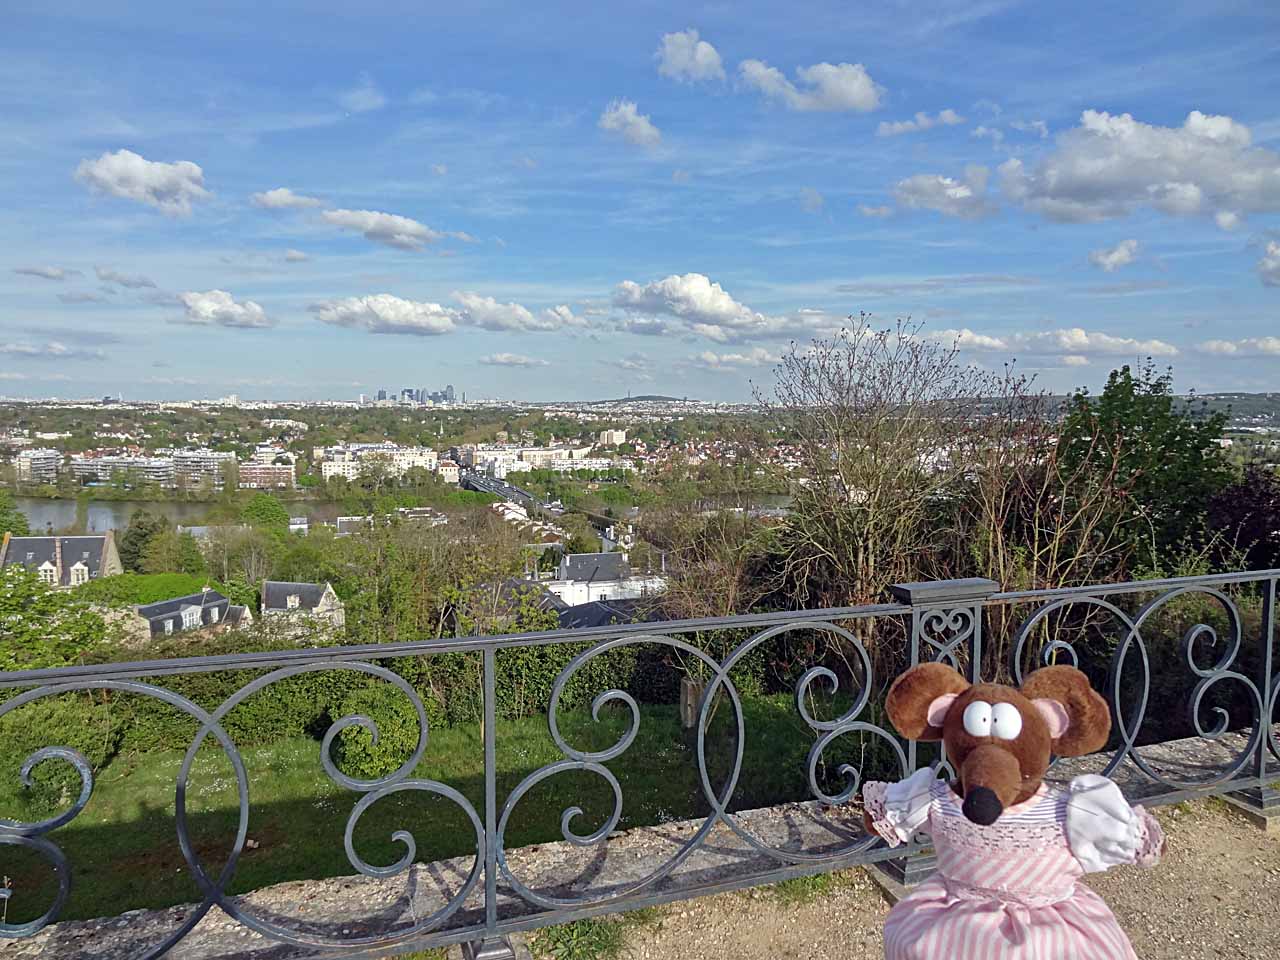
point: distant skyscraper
(448, 393)
(382, 394)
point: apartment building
(40, 465)
(268, 476)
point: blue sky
(570, 201)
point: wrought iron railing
(1228, 645)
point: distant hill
(647, 397)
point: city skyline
(569, 204)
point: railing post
(493, 946)
(1261, 803)
(946, 620)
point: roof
(596, 567)
(513, 589)
(206, 598)
(603, 613)
(34, 552)
(276, 594)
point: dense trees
(12, 520)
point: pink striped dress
(1010, 891)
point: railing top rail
(378, 651)
(375, 651)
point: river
(106, 515)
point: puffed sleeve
(899, 810)
(1103, 831)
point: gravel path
(1216, 894)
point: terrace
(1188, 666)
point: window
(190, 618)
(293, 602)
(168, 626)
(213, 615)
(47, 573)
(79, 574)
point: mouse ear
(1079, 720)
(919, 700)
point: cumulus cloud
(621, 118)
(965, 198)
(1073, 341)
(868, 211)
(363, 97)
(1269, 265)
(1109, 166)
(52, 350)
(994, 134)
(823, 86)
(130, 281)
(440, 169)
(389, 229)
(632, 363)
(1249, 347)
(693, 304)
(295, 256)
(684, 56)
(1038, 127)
(811, 201)
(47, 273)
(757, 357)
(1227, 219)
(384, 313)
(282, 198)
(219, 308)
(488, 314)
(169, 187)
(921, 121)
(1113, 258)
(512, 360)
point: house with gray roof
(208, 608)
(63, 562)
(282, 598)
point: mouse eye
(977, 719)
(1006, 721)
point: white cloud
(1113, 258)
(693, 304)
(1269, 265)
(824, 86)
(512, 360)
(965, 198)
(1073, 341)
(757, 357)
(295, 256)
(488, 314)
(130, 281)
(1251, 346)
(282, 198)
(622, 118)
(632, 363)
(217, 307)
(811, 201)
(867, 211)
(1038, 127)
(389, 229)
(81, 296)
(384, 313)
(363, 97)
(1075, 360)
(169, 187)
(921, 121)
(47, 273)
(683, 56)
(983, 132)
(1110, 166)
(1227, 219)
(52, 350)
(440, 169)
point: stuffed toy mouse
(1010, 849)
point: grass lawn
(124, 853)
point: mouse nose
(982, 806)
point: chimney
(57, 560)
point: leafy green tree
(143, 525)
(171, 552)
(583, 537)
(42, 627)
(1162, 450)
(12, 520)
(131, 589)
(265, 510)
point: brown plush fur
(1012, 769)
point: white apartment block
(340, 468)
(196, 466)
(612, 438)
(153, 469)
(38, 466)
(588, 463)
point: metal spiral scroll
(1128, 722)
(593, 762)
(214, 890)
(945, 629)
